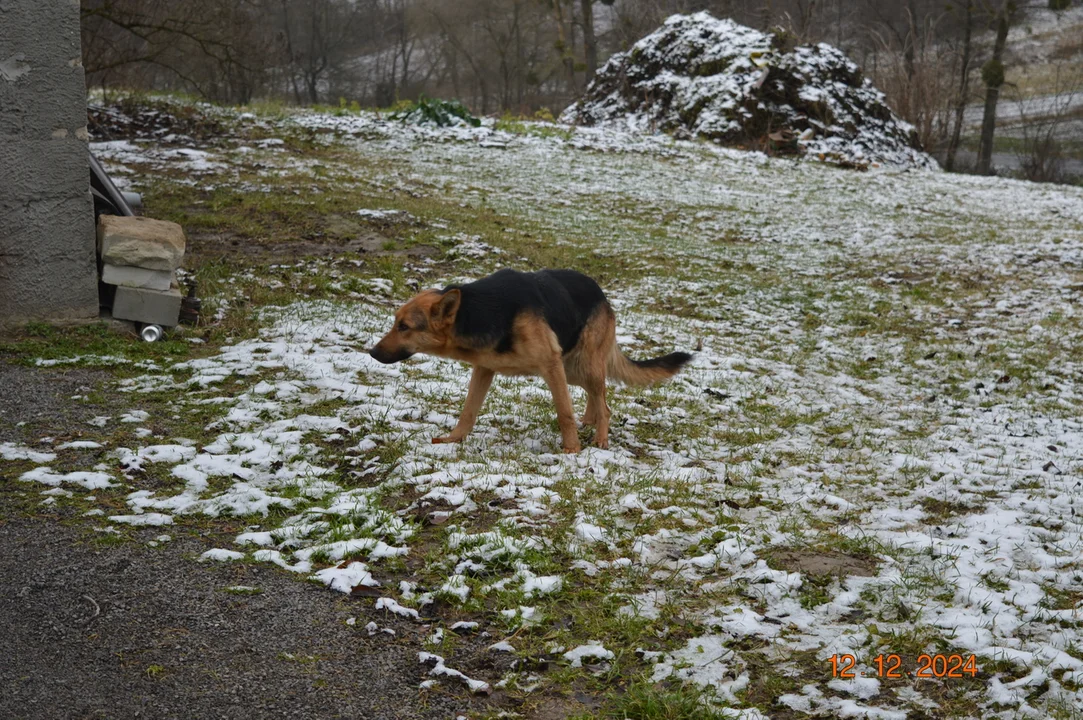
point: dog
(553, 323)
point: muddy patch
(820, 563)
(561, 708)
(338, 235)
(217, 245)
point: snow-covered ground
(1042, 33)
(1012, 111)
(887, 371)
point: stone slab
(140, 242)
(136, 277)
(147, 306)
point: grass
(522, 126)
(643, 700)
(1007, 143)
(94, 345)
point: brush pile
(698, 76)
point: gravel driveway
(134, 631)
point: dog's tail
(645, 372)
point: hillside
(1043, 43)
(873, 451)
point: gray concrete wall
(47, 262)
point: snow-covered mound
(698, 75)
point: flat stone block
(136, 277)
(140, 242)
(147, 306)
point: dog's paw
(572, 449)
(446, 439)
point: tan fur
(629, 373)
(535, 350)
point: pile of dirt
(162, 121)
(701, 76)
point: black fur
(387, 358)
(674, 361)
(489, 306)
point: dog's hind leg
(597, 405)
(475, 396)
(599, 338)
(576, 372)
(595, 387)
(589, 415)
(553, 374)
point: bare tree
(1007, 13)
(1041, 122)
(590, 36)
(992, 74)
(563, 43)
(521, 55)
(964, 86)
(118, 34)
(319, 35)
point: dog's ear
(443, 311)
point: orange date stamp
(891, 666)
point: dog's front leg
(562, 399)
(475, 396)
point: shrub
(992, 74)
(431, 111)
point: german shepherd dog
(553, 323)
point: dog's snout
(380, 355)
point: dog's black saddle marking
(564, 298)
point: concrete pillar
(48, 269)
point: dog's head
(422, 325)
